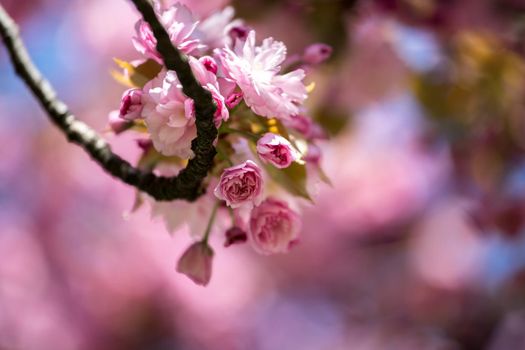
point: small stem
(222, 154)
(210, 223)
(293, 64)
(232, 215)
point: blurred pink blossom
(214, 30)
(274, 227)
(306, 126)
(317, 53)
(447, 251)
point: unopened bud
(317, 53)
(196, 263)
(276, 150)
(235, 235)
(131, 104)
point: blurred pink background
(389, 257)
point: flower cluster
(265, 143)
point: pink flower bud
(131, 104)
(276, 150)
(306, 126)
(209, 63)
(196, 263)
(240, 185)
(234, 99)
(317, 53)
(239, 32)
(274, 227)
(144, 144)
(117, 124)
(235, 235)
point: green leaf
(136, 76)
(332, 119)
(292, 179)
(323, 177)
(145, 72)
(151, 158)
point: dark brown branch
(188, 184)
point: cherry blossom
(180, 25)
(240, 185)
(274, 227)
(256, 70)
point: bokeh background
(418, 245)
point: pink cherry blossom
(276, 150)
(274, 227)
(214, 30)
(196, 263)
(255, 69)
(204, 73)
(145, 42)
(180, 25)
(240, 185)
(131, 104)
(170, 114)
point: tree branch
(188, 183)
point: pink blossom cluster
(265, 143)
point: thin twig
(188, 184)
